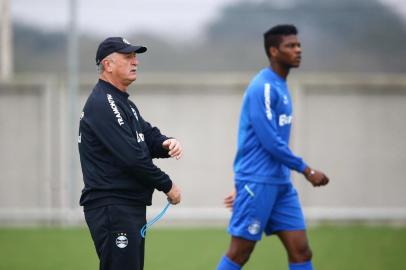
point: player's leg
(227, 264)
(251, 210)
(298, 249)
(240, 250)
(288, 223)
(237, 255)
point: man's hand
(174, 147)
(229, 200)
(316, 178)
(174, 194)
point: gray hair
(100, 67)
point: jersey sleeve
(111, 126)
(263, 119)
(154, 139)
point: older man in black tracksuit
(116, 147)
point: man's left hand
(174, 147)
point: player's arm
(316, 178)
(263, 119)
(113, 130)
(264, 122)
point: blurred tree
(38, 51)
(345, 35)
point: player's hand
(174, 147)
(316, 178)
(174, 195)
(229, 200)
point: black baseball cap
(116, 44)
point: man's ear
(107, 65)
(273, 51)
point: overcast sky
(181, 19)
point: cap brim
(130, 49)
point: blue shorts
(265, 208)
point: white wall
(350, 126)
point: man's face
(289, 52)
(124, 67)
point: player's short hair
(273, 37)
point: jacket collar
(113, 90)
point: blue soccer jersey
(263, 153)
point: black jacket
(116, 147)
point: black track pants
(115, 230)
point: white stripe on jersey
(267, 96)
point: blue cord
(155, 219)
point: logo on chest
(140, 136)
(135, 113)
(285, 100)
(285, 120)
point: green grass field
(335, 248)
